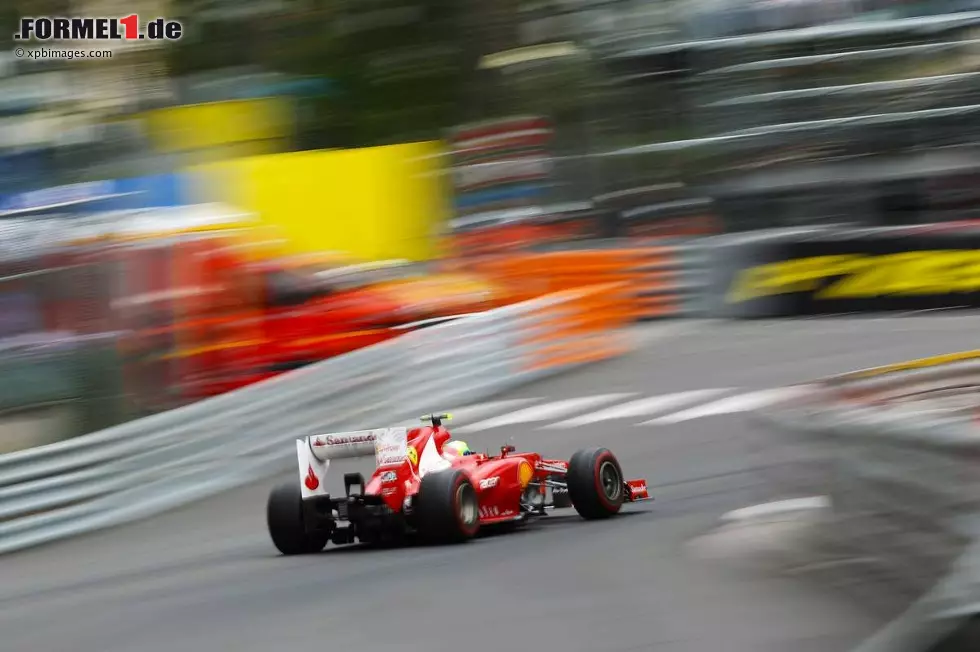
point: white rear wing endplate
(389, 446)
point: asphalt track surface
(206, 577)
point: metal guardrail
(899, 459)
(166, 460)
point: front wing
(637, 491)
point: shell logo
(524, 474)
(413, 455)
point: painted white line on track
(779, 508)
(490, 408)
(732, 404)
(639, 407)
(543, 412)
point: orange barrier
(653, 275)
(505, 238)
(658, 284)
(580, 325)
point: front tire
(595, 483)
(284, 516)
(448, 508)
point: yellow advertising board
(222, 125)
(375, 203)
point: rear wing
(389, 446)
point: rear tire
(595, 483)
(448, 508)
(284, 516)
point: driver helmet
(456, 448)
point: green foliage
(9, 23)
(389, 82)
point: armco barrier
(897, 451)
(147, 466)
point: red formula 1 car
(424, 486)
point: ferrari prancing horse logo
(413, 456)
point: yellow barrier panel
(217, 124)
(376, 203)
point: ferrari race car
(422, 487)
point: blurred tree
(400, 67)
(393, 66)
(9, 18)
(11, 12)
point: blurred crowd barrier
(118, 314)
(81, 298)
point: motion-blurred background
(295, 179)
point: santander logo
(341, 440)
(311, 482)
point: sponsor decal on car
(552, 467)
(388, 455)
(311, 481)
(390, 446)
(489, 483)
(388, 477)
(340, 440)
(492, 511)
(638, 489)
(524, 474)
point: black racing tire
(595, 483)
(284, 516)
(447, 508)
